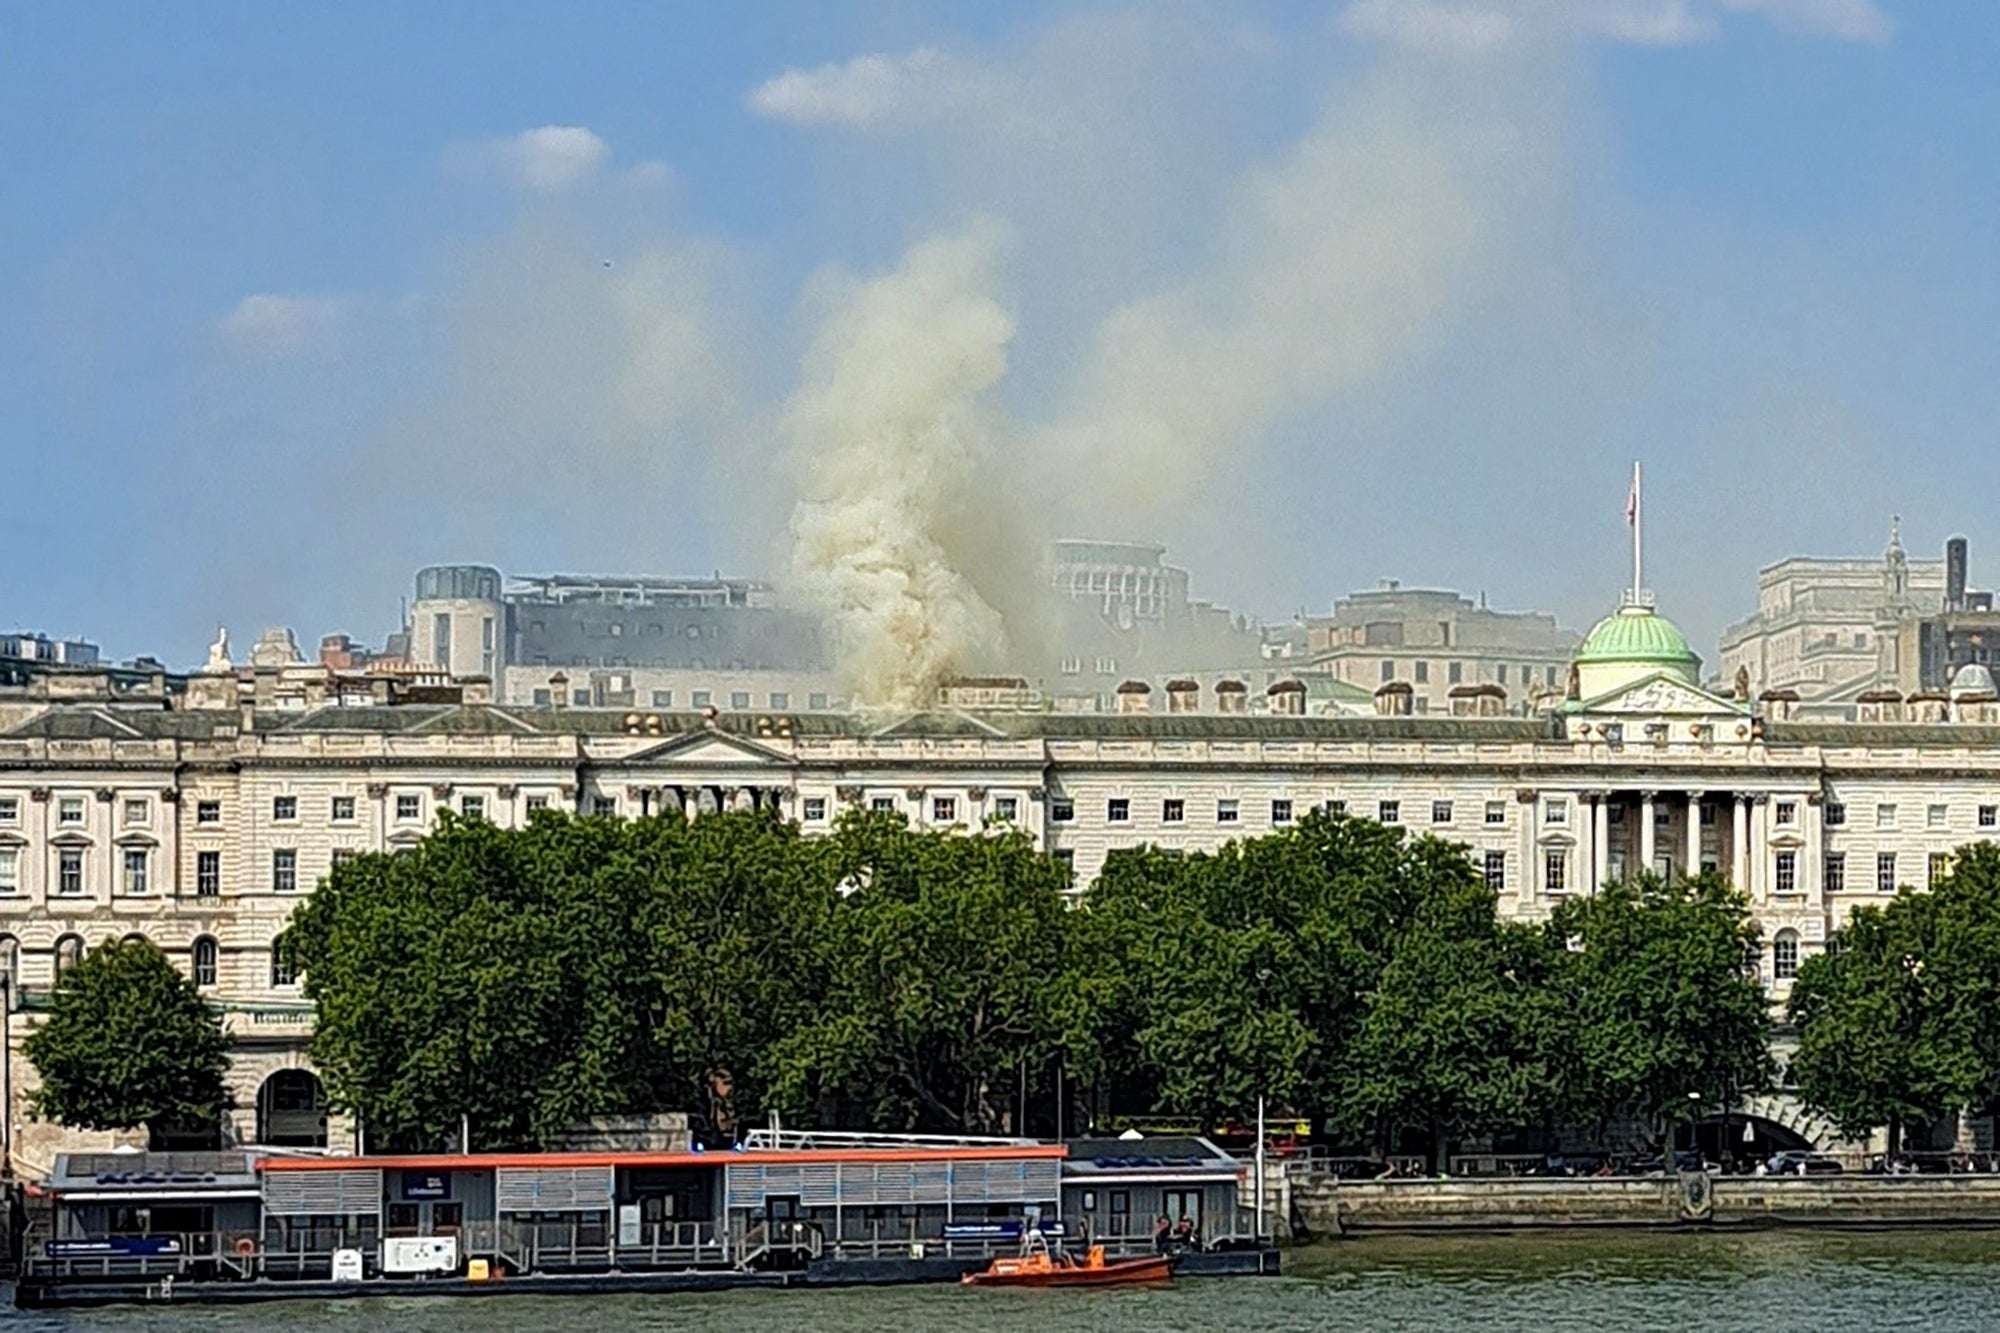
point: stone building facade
(201, 820)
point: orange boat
(1036, 1266)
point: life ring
(245, 1246)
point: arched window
(10, 967)
(281, 971)
(69, 951)
(1785, 955)
(204, 960)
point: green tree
(1657, 979)
(528, 978)
(1459, 1036)
(1872, 1047)
(129, 1041)
(944, 953)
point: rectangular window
(1066, 859)
(1836, 815)
(1281, 812)
(604, 805)
(1614, 813)
(343, 809)
(739, 699)
(1389, 812)
(1937, 816)
(535, 803)
(1440, 812)
(780, 701)
(281, 970)
(882, 804)
(1172, 811)
(1118, 810)
(815, 809)
(1787, 813)
(1061, 810)
(409, 807)
(472, 807)
(541, 698)
(1836, 872)
(816, 702)
(204, 962)
(1708, 814)
(1989, 816)
(69, 871)
(136, 860)
(1502, 672)
(1940, 866)
(663, 698)
(1454, 672)
(581, 698)
(1495, 871)
(10, 809)
(137, 813)
(1885, 872)
(1006, 809)
(284, 808)
(1496, 812)
(703, 698)
(10, 870)
(1555, 870)
(69, 810)
(1423, 670)
(1555, 812)
(1336, 807)
(1785, 878)
(342, 855)
(1225, 812)
(285, 870)
(1885, 816)
(1785, 956)
(944, 809)
(208, 874)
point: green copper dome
(1637, 636)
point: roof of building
(1638, 635)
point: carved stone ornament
(105, 796)
(441, 790)
(634, 793)
(39, 795)
(975, 793)
(914, 793)
(377, 790)
(1038, 793)
(848, 794)
(1524, 794)
(508, 791)
(171, 795)
(567, 791)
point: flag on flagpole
(1632, 502)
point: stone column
(1692, 866)
(1739, 843)
(1648, 831)
(1530, 806)
(1812, 872)
(1600, 840)
(1760, 847)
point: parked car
(1801, 1164)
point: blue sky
(295, 299)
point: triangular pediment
(1661, 695)
(714, 748)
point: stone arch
(68, 953)
(1784, 1115)
(291, 1110)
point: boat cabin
(1117, 1188)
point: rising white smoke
(890, 429)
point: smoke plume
(890, 428)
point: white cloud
(1427, 25)
(1458, 27)
(548, 160)
(270, 324)
(1848, 20)
(867, 90)
(648, 175)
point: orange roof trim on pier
(718, 1157)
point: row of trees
(1899, 1020)
(904, 979)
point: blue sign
(1001, 1229)
(426, 1185)
(125, 1246)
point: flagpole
(1638, 544)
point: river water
(1599, 1283)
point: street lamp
(1694, 1122)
